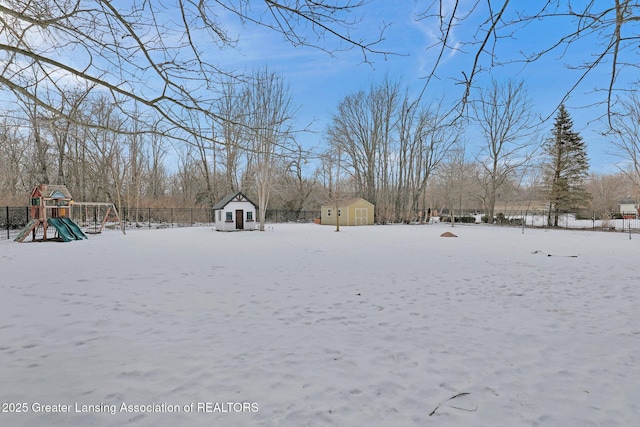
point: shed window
(229, 216)
(249, 216)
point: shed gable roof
(349, 202)
(233, 197)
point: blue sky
(319, 81)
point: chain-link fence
(274, 215)
(176, 217)
(165, 217)
(96, 218)
(601, 221)
(13, 220)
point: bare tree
(268, 131)
(107, 151)
(392, 144)
(607, 191)
(63, 131)
(425, 137)
(156, 179)
(363, 129)
(184, 182)
(136, 151)
(150, 54)
(297, 186)
(504, 116)
(608, 28)
(37, 125)
(626, 133)
(205, 160)
(336, 182)
(456, 184)
(14, 152)
(229, 132)
(325, 172)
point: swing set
(52, 209)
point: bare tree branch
(153, 54)
(609, 30)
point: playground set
(51, 208)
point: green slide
(79, 235)
(63, 231)
(26, 230)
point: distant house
(629, 207)
(235, 212)
(351, 212)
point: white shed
(629, 207)
(235, 212)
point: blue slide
(79, 235)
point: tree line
(406, 156)
(141, 114)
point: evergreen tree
(566, 168)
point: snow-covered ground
(302, 326)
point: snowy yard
(302, 326)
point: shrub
(460, 219)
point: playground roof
(53, 191)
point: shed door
(362, 216)
(239, 219)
